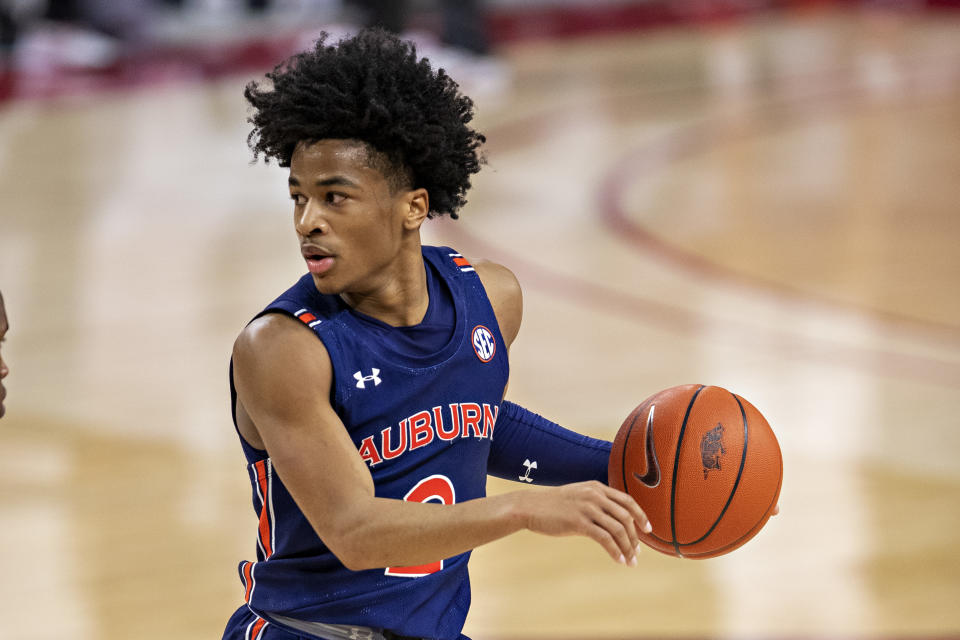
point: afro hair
(373, 88)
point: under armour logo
(362, 380)
(530, 466)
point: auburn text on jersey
(457, 420)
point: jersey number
(433, 488)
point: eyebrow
(333, 181)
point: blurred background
(761, 195)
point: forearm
(383, 532)
(365, 531)
(397, 533)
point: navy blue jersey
(423, 423)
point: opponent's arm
(283, 377)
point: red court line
(686, 141)
(697, 139)
(837, 94)
(677, 320)
(694, 141)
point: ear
(417, 205)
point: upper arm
(506, 297)
(283, 377)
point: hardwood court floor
(768, 206)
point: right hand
(610, 517)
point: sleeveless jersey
(423, 424)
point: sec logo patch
(483, 343)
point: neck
(401, 299)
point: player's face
(351, 225)
(4, 370)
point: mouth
(319, 260)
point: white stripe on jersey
(256, 486)
(273, 518)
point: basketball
(703, 464)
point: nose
(310, 220)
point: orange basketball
(703, 464)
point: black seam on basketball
(623, 461)
(749, 534)
(733, 491)
(676, 464)
(658, 538)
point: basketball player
(369, 396)
(4, 370)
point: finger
(625, 518)
(776, 509)
(619, 534)
(627, 502)
(605, 540)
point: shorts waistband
(338, 631)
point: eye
(334, 197)
(298, 199)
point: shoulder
(506, 296)
(498, 280)
(272, 331)
(276, 351)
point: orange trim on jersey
(461, 262)
(261, 467)
(257, 628)
(247, 580)
(307, 317)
